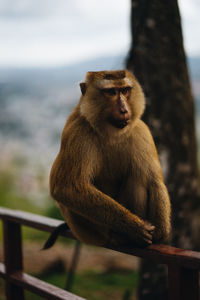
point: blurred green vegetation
(10, 197)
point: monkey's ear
(83, 88)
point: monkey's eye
(110, 92)
(125, 91)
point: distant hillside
(21, 80)
(60, 76)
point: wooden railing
(183, 265)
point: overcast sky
(51, 33)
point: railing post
(12, 258)
(183, 284)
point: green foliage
(10, 198)
(53, 212)
(95, 285)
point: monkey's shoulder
(143, 139)
(142, 129)
(144, 153)
(78, 134)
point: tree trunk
(158, 60)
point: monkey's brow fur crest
(109, 75)
(107, 179)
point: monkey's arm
(159, 208)
(71, 184)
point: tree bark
(157, 58)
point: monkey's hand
(141, 237)
(144, 234)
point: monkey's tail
(54, 235)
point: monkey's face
(111, 99)
(117, 102)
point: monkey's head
(111, 99)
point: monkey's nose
(122, 106)
(123, 109)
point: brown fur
(106, 180)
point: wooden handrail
(182, 264)
(32, 220)
(38, 286)
(161, 253)
(42, 288)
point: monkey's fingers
(143, 238)
(150, 228)
(151, 231)
(146, 235)
(147, 242)
(144, 242)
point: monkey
(107, 179)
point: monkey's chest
(112, 174)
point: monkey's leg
(85, 230)
(133, 195)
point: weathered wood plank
(12, 243)
(165, 254)
(42, 288)
(32, 220)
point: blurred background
(46, 48)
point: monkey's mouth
(119, 123)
